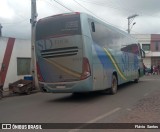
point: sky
(15, 14)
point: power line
(104, 5)
(63, 5)
(96, 15)
(120, 8)
(27, 19)
(51, 5)
(84, 7)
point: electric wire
(63, 5)
(53, 6)
(98, 16)
(108, 5)
(18, 22)
(120, 8)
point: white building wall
(155, 54)
(22, 49)
(147, 62)
(143, 38)
(3, 44)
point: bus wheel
(1, 94)
(76, 94)
(114, 85)
(137, 79)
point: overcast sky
(15, 14)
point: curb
(10, 93)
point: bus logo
(6, 126)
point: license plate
(60, 87)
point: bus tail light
(39, 76)
(86, 71)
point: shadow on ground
(90, 96)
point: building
(150, 43)
(15, 59)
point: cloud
(5, 11)
(15, 14)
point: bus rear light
(39, 76)
(86, 71)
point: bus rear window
(58, 26)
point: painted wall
(10, 49)
(155, 38)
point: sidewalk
(146, 109)
(10, 94)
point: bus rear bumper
(67, 87)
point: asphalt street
(98, 107)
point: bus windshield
(60, 25)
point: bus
(76, 52)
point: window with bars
(23, 66)
(157, 46)
(146, 47)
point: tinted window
(104, 36)
(112, 39)
(58, 26)
(132, 48)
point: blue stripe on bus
(105, 60)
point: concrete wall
(17, 48)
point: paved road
(85, 108)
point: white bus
(77, 52)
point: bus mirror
(143, 53)
(93, 27)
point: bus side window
(93, 27)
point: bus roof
(94, 18)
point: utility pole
(0, 30)
(130, 19)
(33, 21)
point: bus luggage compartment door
(97, 77)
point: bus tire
(114, 85)
(1, 94)
(137, 79)
(76, 93)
